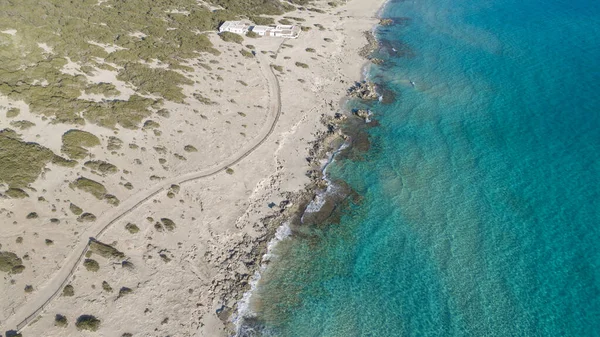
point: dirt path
(53, 287)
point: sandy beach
(200, 190)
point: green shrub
(106, 251)
(246, 53)
(22, 125)
(132, 228)
(252, 34)
(190, 148)
(229, 170)
(68, 290)
(75, 142)
(101, 166)
(60, 321)
(9, 262)
(12, 112)
(90, 186)
(86, 217)
(168, 223)
(106, 287)
(20, 162)
(75, 209)
(87, 322)
(231, 37)
(301, 65)
(16, 193)
(310, 50)
(91, 265)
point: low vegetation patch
(168, 223)
(91, 265)
(68, 290)
(190, 148)
(101, 166)
(231, 37)
(86, 217)
(21, 162)
(60, 321)
(75, 209)
(75, 143)
(132, 228)
(106, 287)
(104, 250)
(301, 65)
(10, 263)
(16, 193)
(87, 322)
(94, 188)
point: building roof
(233, 25)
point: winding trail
(53, 287)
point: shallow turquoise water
(480, 194)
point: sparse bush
(252, 35)
(10, 262)
(246, 53)
(106, 287)
(231, 37)
(104, 250)
(90, 186)
(101, 166)
(60, 321)
(91, 265)
(190, 148)
(87, 322)
(168, 223)
(68, 290)
(16, 193)
(75, 209)
(301, 65)
(124, 291)
(75, 143)
(32, 215)
(229, 170)
(28, 289)
(310, 50)
(12, 112)
(132, 228)
(86, 217)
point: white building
(237, 27)
(286, 31)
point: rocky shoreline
(293, 208)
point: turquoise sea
(478, 208)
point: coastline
(330, 141)
(220, 241)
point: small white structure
(286, 31)
(236, 27)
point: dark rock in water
(364, 114)
(377, 61)
(386, 22)
(388, 96)
(397, 48)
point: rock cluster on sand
(364, 90)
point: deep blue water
(480, 194)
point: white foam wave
(243, 308)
